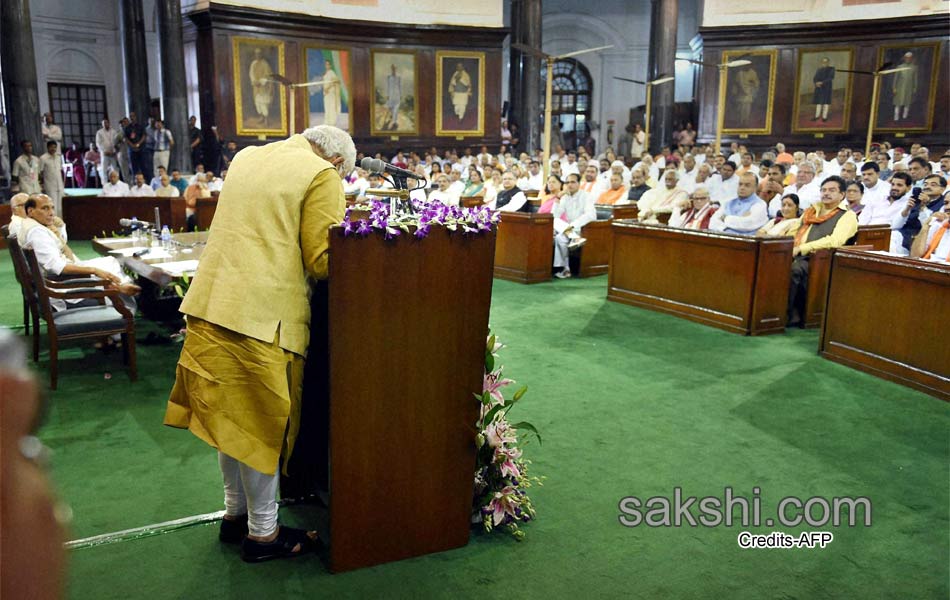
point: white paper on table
(128, 251)
(179, 268)
(111, 241)
(155, 253)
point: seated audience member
(199, 170)
(889, 212)
(360, 183)
(475, 188)
(74, 156)
(199, 189)
(855, 197)
(849, 172)
(56, 258)
(695, 213)
(944, 166)
(919, 169)
(510, 198)
(616, 193)
(533, 179)
(876, 190)
(18, 212)
(638, 186)
(140, 188)
(805, 186)
(214, 183)
(444, 193)
(157, 180)
(828, 224)
(787, 219)
(771, 194)
(919, 205)
(114, 187)
(574, 211)
(726, 186)
(688, 173)
(90, 161)
(493, 186)
(745, 214)
(933, 243)
(166, 189)
(551, 194)
(661, 199)
(591, 182)
(179, 182)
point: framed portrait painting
(328, 101)
(260, 103)
(395, 108)
(823, 90)
(749, 92)
(906, 101)
(460, 93)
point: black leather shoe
(233, 531)
(282, 547)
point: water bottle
(135, 230)
(166, 238)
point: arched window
(570, 101)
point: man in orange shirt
(616, 193)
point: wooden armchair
(87, 322)
(31, 310)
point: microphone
(134, 224)
(374, 165)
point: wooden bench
(737, 283)
(524, 247)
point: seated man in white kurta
(56, 258)
(662, 198)
(575, 210)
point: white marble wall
(569, 25)
(80, 42)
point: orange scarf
(612, 196)
(936, 241)
(811, 218)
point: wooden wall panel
(213, 29)
(865, 37)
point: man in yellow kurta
(239, 377)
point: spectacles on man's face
(699, 197)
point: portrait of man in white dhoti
(260, 102)
(460, 101)
(329, 98)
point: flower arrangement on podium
(501, 498)
(415, 218)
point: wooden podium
(404, 354)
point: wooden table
(146, 267)
(885, 316)
(524, 247)
(733, 282)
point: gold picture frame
(930, 57)
(455, 113)
(747, 111)
(248, 119)
(838, 117)
(384, 63)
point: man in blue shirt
(745, 214)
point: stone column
(531, 126)
(524, 84)
(21, 98)
(174, 85)
(662, 60)
(132, 23)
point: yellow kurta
(248, 306)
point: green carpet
(629, 402)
